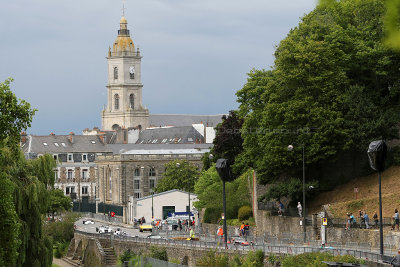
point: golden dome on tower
(123, 20)
(123, 45)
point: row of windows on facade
(71, 190)
(131, 101)
(85, 173)
(71, 174)
(70, 157)
(131, 75)
(136, 187)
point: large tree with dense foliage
(334, 88)
(228, 140)
(23, 190)
(209, 193)
(179, 174)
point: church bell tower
(124, 107)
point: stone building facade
(135, 172)
(75, 173)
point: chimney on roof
(23, 137)
(102, 136)
(71, 137)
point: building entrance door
(166, 210)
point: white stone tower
(124, 107)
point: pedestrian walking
(179, 224)
(246, 229)
(220, 232)
(352, 220)
(396, 219)
(299, 208)
(361, 216)
(242, 229)
(348, 221)
(376, 219)
(366, 220)
(281, 208)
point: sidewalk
(61, 263)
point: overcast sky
(196, 53)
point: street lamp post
(377, 155)
(224, 172)
(290, 148)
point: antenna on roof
(123, 8)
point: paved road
(91, 228)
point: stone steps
(111, 259)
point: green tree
(23, 194)
(209, 193)
(334, 88)
(228, 140)
(58, 202)
(179, 174)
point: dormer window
(115, 73)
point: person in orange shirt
(220, 232)
(242, 229)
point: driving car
(156, 237)
(145, 227)
(104, 229)
(239, 241)
(88, 222)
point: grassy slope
(342, 198)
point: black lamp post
(224, 172)
(377, 154)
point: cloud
(196, 53)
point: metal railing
(357, 250)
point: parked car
(88, 222)
(146, 227)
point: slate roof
(61, 144)
(157, 120)
(170, 135)
(155, 148)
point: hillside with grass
(342, 199)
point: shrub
(245, 213)
(254, 259)
(213, 260)
(126, 256)
(159, 253)
(314, 259)
(60, 249)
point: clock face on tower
(131, 69)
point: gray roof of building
(164, 193)
(61, 144)
(123, 148)
(157, 120)
(181, 135)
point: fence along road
(266, 247)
